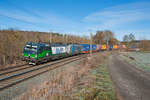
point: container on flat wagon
(85, 48)
(69, 49)
(94, 47)
(124, 46)
(111, 47)
(132, 46)
(74, 49)
(98, 47)
(107, 46)
(104, 47)
(59, 49)
(118, 46)
(115, 47)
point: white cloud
(113, 18)
(120, 15)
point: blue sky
(78, 16)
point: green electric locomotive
(35, 53)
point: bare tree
(106, 37)
(109, 35)
(129, 40)
(131, 37)
(99, 37)
(126, 38)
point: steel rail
(8, 81)
(12, 67)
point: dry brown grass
(61, 85)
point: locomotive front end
(30, 53)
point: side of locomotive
(36, 53)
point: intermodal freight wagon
(104, 47)
(94, 48)
(35, 53)
(85, 48)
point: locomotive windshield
(27, 48)
(34, 48)
(30, 49)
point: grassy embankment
(88, 80)
(140, 59)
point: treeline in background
(132, 43)
(13, 41)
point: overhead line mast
(50, 36)
(90, 43)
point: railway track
(11, 67)
(14, 75)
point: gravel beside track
(24, 80)
(16, 77)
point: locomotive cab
(30, 52)
(35, 53)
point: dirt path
(132, 84)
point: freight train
(36, 53)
